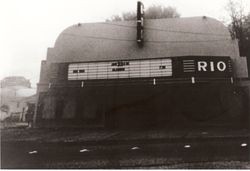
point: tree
(153, 12)
(239, 28)
(236, 15)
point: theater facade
(185, 73)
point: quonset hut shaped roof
(195, 36)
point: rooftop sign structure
(140, 20)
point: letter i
(212, 66)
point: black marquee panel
(204, 67)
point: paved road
(161, 153)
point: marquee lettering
(204, 66)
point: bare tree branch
(153, 12)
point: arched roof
(195, 36)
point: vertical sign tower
(140, 23)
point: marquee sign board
(120, 69)
(176, 67)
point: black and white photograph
(125, 84)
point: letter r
(202, 66)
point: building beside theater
(185, 73)
(13, 92)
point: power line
(172, 31)
(100, 38)
(186, 32)
(150, 41)
(119, 25)
(187, 41)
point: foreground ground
(80, 148)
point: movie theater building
(183, 71)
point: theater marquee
(120, 69)
(176, 67)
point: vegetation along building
(173, 72)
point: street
(153, 153)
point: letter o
(221, 66)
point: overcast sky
(29, 27)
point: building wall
(150, 106)
(240, 67)
(44, 80)
(48, 111)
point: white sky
(29, 27)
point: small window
(75, 71)
(81, 71)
